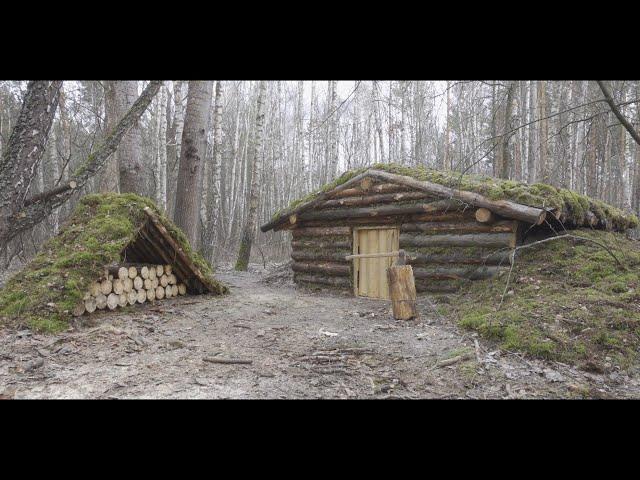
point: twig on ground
(227, 361)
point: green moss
(572, 204)
(570, 301)
(45, 292)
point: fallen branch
(227, 361)
(454, 360)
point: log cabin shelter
(454, 228)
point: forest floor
(300, 344)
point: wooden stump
(164, 280)
(402, 290)
(182, 289)
(144, 272)
(138, 283)
(127, 284)
(168, 269)
(159, 270)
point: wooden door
(370, 274)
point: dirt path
(300, 345)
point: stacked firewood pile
(128, 284)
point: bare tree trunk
(531, 156)
(250, 227)
(544, 132)
(446, 162)
(173, 154)
(192, 153)
(161, 158)
(132, 172)
(26, 146)
(213, 182)
(505, 157)
(110, 181)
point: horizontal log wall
(444, 243)
(445, 255)
(318, 254)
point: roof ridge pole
(506, 208)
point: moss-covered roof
(44, 293)
(574, 206)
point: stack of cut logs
(129, 284)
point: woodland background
(248, 148)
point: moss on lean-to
(574, 206)
(573, 304)
(43, 295)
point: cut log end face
(141, 296)
(123, 273)
(101, 301)
(106, 287)
(132, 297)
(484, 215)
(118, 286)
(122, 300)
(148, 284)
(112, 301)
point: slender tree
(248, 232)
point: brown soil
(301, 344)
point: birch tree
(248, 233)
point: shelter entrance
(370, 274)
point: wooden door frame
(356, 261)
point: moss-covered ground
(43, 295)
(567, 300)
(572, 204)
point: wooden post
(402, 290)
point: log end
(484, 215)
